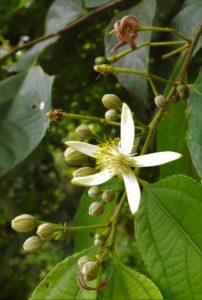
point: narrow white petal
(94, 179)
(84, 148)
(156, 159)
(127, 129)
(132, 190)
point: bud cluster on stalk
(113, 104)
(26, 223)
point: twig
(65, 29)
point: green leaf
(169, 235)
(30, 57)
(194, 131)
(138, 59)
(94, 3)
(84, 239)
(61, 283)
(25, 99)
(62, 12)
(171, 137)
(125, 283)
(187, 20)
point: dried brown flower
(126, 31)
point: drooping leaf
(138, 59)
(84, 239)
(169, 234)
(94, 3)
(25, 99)
(194, 131)
(61, 283)
(125, 283)
(62, 12)
(29, 57)
(187, 20)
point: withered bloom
(126, 31)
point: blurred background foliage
(40, 184)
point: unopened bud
(160, 101)
(111, 115)
(96, 209)
(112, 101)
(89, 270)
(85, 171)
(74, 157)
(98, 240)
(94, 192)
(82, 260)
(101, 60)
(83, 131)
(183, 90)
(23, 223)
(32, 244)
(108, 195)
(45, 230)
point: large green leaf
(171, 136)
(29, 57)
(169, 234)
(138, 59)
(84, 239)
(194, 132)
(125, 283)
(187, 20)
(61, 283)
(62, 12)
(25, 99)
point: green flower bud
(74, 157)
(101, 60)
(32, 244)
(111, 115)
(45, 230)
(83, 131)
(108, 195)
(82, 260)
(85, 171)
(183, 90)
(96, 209)
(94, 192)
(89, 270)
(23, 223)
(111, 101)
(160, 101)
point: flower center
(112, 158)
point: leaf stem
(174, 52)
(82, 227)
(118, 56)
(111, 69)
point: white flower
(115, 157)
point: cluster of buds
(88, 268)
(113, 104)
(97, 208)
(26, 223)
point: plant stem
(114, 222)
(72, 24)
(155, 28)
(82, 227)
(154, 89)
(118, 56)
(174, 52)
(146, 74)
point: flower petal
(127, 129)
(84, 148)
(156, 159)
(132, 190)
(94, 179)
